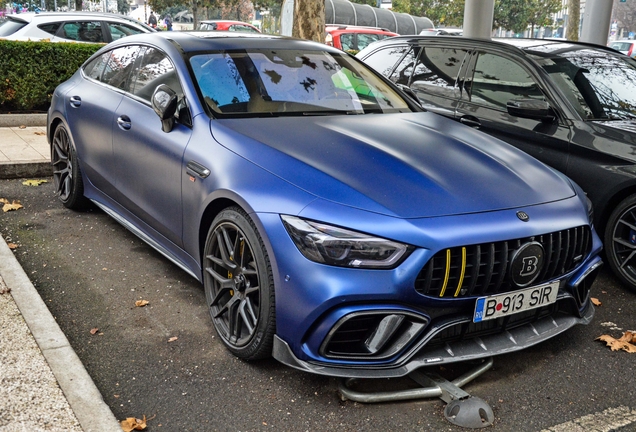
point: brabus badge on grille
(527, 262)
(523, 216)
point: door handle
(470, 121)
(196, 169)
(75, 101)
(124, 122)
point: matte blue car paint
(419, 190)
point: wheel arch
(612, 202)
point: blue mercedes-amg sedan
(334, 223)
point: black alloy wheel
(67, 176)
(239, 285)
(620, 241)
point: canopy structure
(345, 12)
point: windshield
(600, 85)
(291, 82)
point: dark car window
(84, 31)
(50, 27)
(497, 80)
(119, 68)
(403, 72)
(347, 41)
(119, 30)
(95, 67)
(291, 82)
(9, 26)
(437, 69)
(154, 69)
(242, 28)
(365, 39)
(384, 59)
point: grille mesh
(483, 269)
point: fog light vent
(372, 335)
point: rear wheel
(67, 176)
(620, 241)
(239, 285)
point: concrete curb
(78, 387)
(16, 120)
(15, 170)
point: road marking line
(609, 420)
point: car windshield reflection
(290, 82)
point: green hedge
(30, 71)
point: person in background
(152, 20)
(168, 21)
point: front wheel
(239, 286)
(67, 176)
(620, 241)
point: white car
(70, 27)
(624, 46)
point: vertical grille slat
(483, 270)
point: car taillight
(631, 48)
(329, 39)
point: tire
(620, 241)
(67, 175)
(239, 286)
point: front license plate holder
(496, 306)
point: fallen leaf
(12, 246)
(4, 201)
(596, 302)
(15, 205)
(620, 344)
(5, 291)
(172, 339)
(34, 182)
(94, 330)
(141, 303)
(131, 424)
(22, 126)
(39, 133)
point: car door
(494, 79)
(90, 108)
(149, 161)
(82, 31)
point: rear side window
(384, 59)
(118, 70)
(365, 39)
(95, 67)
(9, 26)
(50, 27)
(437, 68)
(119, 30)
(83, 31)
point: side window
(383, 60)
(347, 41)
(95, 67)
(365, 39)
(50, 27)
(118, 71)
(437, 69)
(84, 31)
(119, 30)
(402, 73)
(155, 68)
(497, 80)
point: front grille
(483, 269)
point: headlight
(341, 247)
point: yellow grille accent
(461, 276)
(448, 266)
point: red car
(226, 25)
(354, 38)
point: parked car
(226, 25)
(570, 105)
(332, 222)
(442, 31)
(354, 38)
(70, 27)
(624, 46)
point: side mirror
(531, 109)
(164, 101)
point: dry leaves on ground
(94, 330)
(15, 205)
(596, 302)
(625, 343)
(39, 133)
(131, 424)
(172, 339)
(5, 291)
(141, 303)
(33, 182)
(12, 246)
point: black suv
(571, 105)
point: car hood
(405, 165)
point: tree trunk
(574, 18)
(309, 20)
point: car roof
(333, 27)
(198, 41)
(55, 16)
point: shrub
(30, 71)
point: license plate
(491, 307)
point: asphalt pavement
(43, 384)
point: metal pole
(596, 21)
(478, 16)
